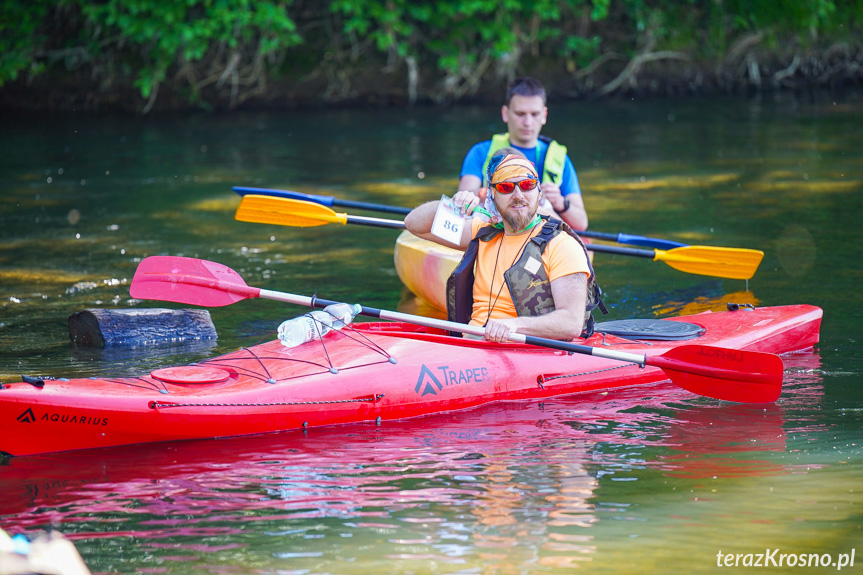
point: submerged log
(137, 327)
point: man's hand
(465, 201)
(498, 330)
(574, 214)
(551, 191)
(420, 220)
(564, 323)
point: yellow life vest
(552, 168)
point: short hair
(524, 86)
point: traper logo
(427, 382)
(27, 416)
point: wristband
(565, 205)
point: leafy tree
(224, 52)
(23, 33)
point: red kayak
(364, 372)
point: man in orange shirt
(522, 275)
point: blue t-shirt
(475, 159)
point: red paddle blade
(726, 374)
(189, 280)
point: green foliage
(21, 33)
(197, 45)
(600, 10)
(707, 27)
(582, 50)
(165, 34)
(791, 15)
(462, 36)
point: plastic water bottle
(341, 314)
(307, 327)
(316, 324)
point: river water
(656, 479)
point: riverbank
(836, 68)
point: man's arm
(471, 176)
(568, 191)
(575, 215)
(564, 323)
(470, 183)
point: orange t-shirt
(563, 256)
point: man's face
(518, 208)
(524, 116)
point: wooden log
(138, 327)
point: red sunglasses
(525, 185)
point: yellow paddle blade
(286, 212)
(732, 263)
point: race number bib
(448, 222)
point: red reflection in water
(705, 439)
(352, 470)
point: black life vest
(530, 291)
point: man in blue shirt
(525, 113)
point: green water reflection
(652, 480)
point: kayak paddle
(725, 374)
(300, 214)
(731, 263)
(331, 201)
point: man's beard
(519, 220)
